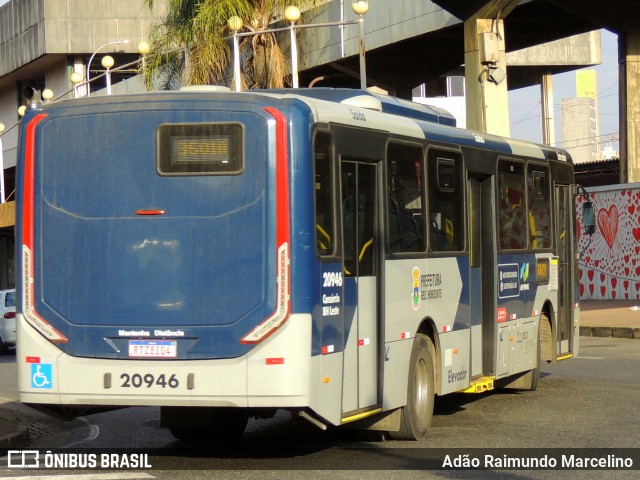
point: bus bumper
(276, 373)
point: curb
(616, 332)
(17, 439)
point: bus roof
(387, 104)
(414, 119)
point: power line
(513, 124)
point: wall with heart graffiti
(610, 258)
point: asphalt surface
(19, 424)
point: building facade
(580, 119)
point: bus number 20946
(332, 279)
(148, 380)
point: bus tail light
(10, 315)
(28, 195)
(281, 313)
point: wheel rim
(421, 397)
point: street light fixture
(107, 63)
(88, 76)
(76, 78)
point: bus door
(563, 262)
(482, 251)
(360, 207)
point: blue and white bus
(338, 254)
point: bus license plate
(153, 348)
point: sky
(525, 106)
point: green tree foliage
(191, 45)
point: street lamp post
(88, 76)
(360, 8)
(235, 24)
(292, 14)
(2, 197)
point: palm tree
(191, 44)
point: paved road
(588, 402)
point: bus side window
(405, 205)
(446, 202)
(512, 220)
(324, 209)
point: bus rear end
(153, 250)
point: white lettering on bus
(327, 299)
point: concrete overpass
(404, 50)
(408, 42)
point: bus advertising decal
(508, 280)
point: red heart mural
(591, 288)
(590, 275)
(636, 234)
(608, 224)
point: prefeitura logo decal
(415, 273)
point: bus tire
(416, 415)
(205, 425)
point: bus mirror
(588, 217)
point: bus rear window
(200, 149)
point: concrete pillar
(629, 98)
(487, 103)
(548, 121)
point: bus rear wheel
(204, 424)
(416, 415)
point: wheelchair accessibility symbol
(41, 375)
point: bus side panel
(522, 295)
(417, 289)
(404, 311)
(326, 386)
(454, 359)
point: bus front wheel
(204, 424)
(415, 419)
